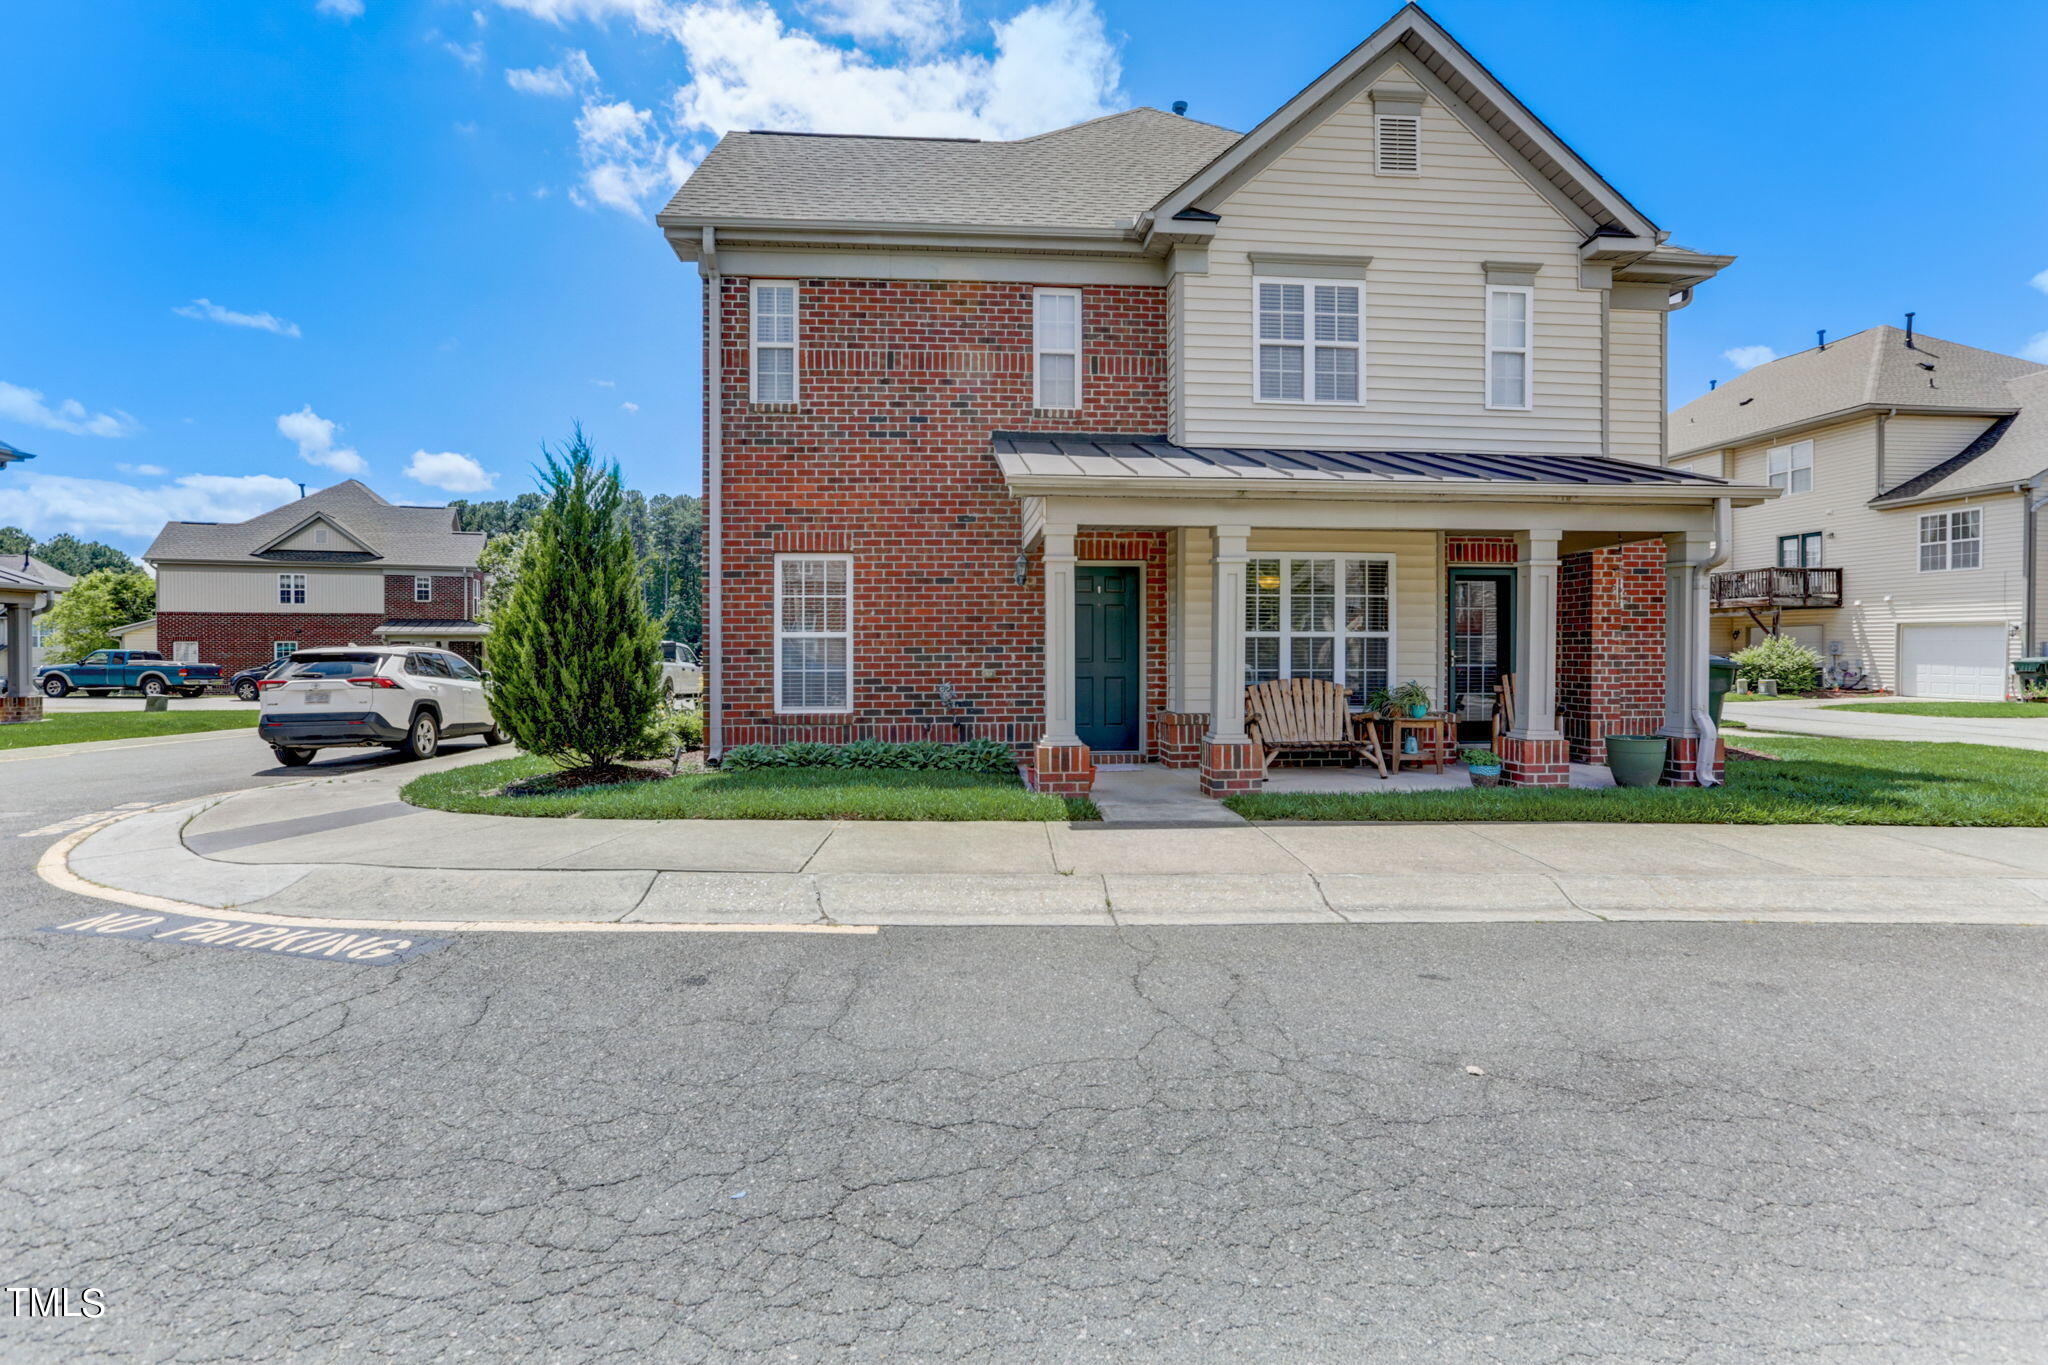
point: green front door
(1107, 685)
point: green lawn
(1974, 710)
(765, 794)
(78, 727)
(1820, 781)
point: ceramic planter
(1636, 760)
(1484, 777)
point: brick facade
(453, 598)
(20, 710)
(1610, 646)
(885, 457)
(1228, 769)
(242, 639)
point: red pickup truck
(127, 670)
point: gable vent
(1397, 144)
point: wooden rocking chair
(1306, 713)
(1503, 708)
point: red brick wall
(1610, 645)
(238, 640)
(451, 601)
(885, 456)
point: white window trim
(417, 580)
(280, 648)
(185, 651)
(776, 638)
(1948, 545)
(1038, 351)
(1792, 451)
(1309, 343)
(1379, 123)
(288, 583)
(1527, 350)
(1286, 633)
(754, 346)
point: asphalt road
(1695, 1142)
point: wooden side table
(1433, 741)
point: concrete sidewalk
(1799, 716)
(348, 848)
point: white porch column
(21, 639)
(1536, 637)
(1685, 632)
(1059, 637)
(1226, 633)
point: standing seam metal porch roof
(1083, 455)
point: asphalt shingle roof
(1087, 176)
(1874, 367)
(2012, 450)
(413, 536)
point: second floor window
(1952, 540)
(1057, 359)
(422, 589)
(1800, 551)
(1508, 309)
(1791, 467)
(774, 343)
(291, 589)
(1308, 338)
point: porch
(1154, 794)
(1166, 567)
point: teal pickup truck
(127, 670)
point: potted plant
(1380, 702)
(1484, 765)
(1636, 760)
(1412, 697)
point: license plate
(319, 698)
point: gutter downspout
(711, 628)
(1702, 720)
(2031, 507)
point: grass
(770, 794)
(1819, 782)
(81, 727)
(1975, 710)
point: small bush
(1781, 659)
(973, 756)
(1482, 758)
(670, 735)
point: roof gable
(1447, 71)
(375, 529)
(316, 533)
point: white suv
(407, 699)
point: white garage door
(1952, 661)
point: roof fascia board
(1375, 490)
(1982, 490)
(1825, 419)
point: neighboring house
(137, 635)
(28, 588)
(1033, 440)
(1907, 544)
(341, 566)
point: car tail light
(371, 682)
(262, 683)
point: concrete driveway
(1826, 719)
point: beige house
(1906, 544)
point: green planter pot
(1483, 776)
(1636, 760)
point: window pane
(1313, 657)
(1367, 604)
(1262, 595)
(1510, 318)
(1280, 312)
(1312, 595)
(813, 673)
(775, 376)
(1336, 375)
(1280, 373)
(1802, 479)
(1261, 659)
(1508, 371)
(1813, 551)
(1059, 322)
(1336, 312)
(1056, 381)
(775, 313)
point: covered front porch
(1168, 568)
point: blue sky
(253, 242)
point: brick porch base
(1228, 769)
(16, 710)
(1179, 738)
(1682, 754)
(1535, 762)
(1062, 769)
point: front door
(1482, 643)
(1107, 685)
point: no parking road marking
(325, 945)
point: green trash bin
(2032, 675)
(1720, 678)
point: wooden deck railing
(1782, 588)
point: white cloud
(1749, 357)
(2040, 281)
(470, 55)
(206, 310)
(630, 407)
(2036, 348)
(606, 383)
(26, 405)
(45, 504)
(1046, 66)
(450, 471)
(147, 471)
(341, 9)
(572, 73)
(315, 437)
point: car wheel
(494, 736)
(668, 694)
(246, 691)
(190, 692)
(154, 687)
(424, 739)
(55, 686)
(292, 758)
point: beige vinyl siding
(1714, 465)
(1418, 600)
(309, 538)
(234, 587)
(1428, 237)
(1635, 384)
(1877, 551)
(1915, 443)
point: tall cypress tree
(575, 661)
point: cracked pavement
(1690, 1142)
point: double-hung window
(1791, 467)
(813, 633)
(774, 343)
(1952, 540)
(1320, 617)
(1308, 338)
(283, 649)
(1799, 552)
(1056, 363)
(1509, 310)
(291, 589)
(422, 588)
